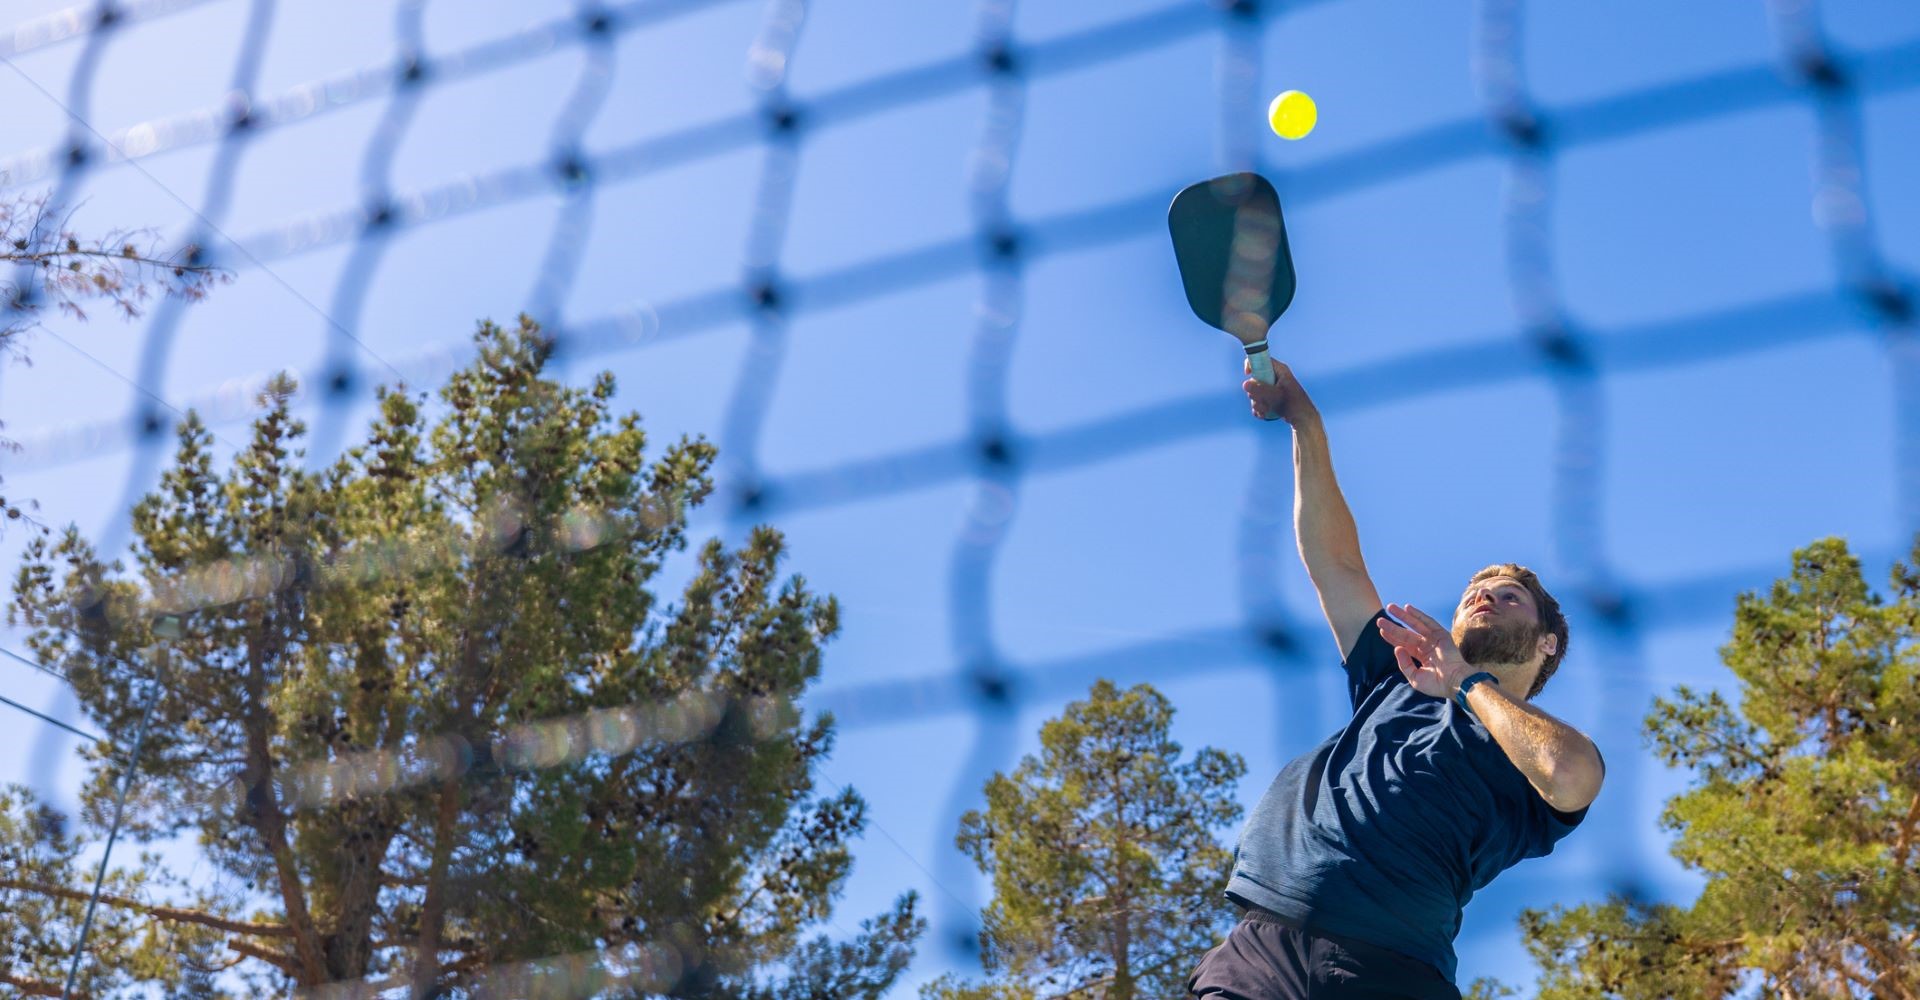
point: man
(1353, 870)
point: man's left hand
(1427, 655)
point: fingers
(1418, 619)
(1412, 650)
(1260, 408)
(1267, 397)
(1398, 634)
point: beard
(1484, 643)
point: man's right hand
(1284, 396)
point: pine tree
(429, 728)
(1805, 818)
(1106, 872)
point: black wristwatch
(1460, 695)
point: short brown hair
(1550, 616)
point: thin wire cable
(50, 720)
(902, 848)
(113, 830)
(216, 230)
(129, 380)
(59, 675)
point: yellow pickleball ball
(1292, 115)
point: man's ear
(1549, 643)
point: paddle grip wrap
(1262, 367)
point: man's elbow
(1575, 783)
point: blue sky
(1743, 405)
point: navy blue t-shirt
(1384, 831)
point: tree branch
(1847, 975)
(173, 913)
(36, 988)
(1891, 974)
(1904, 842)
(410, 881)
(284, 963)
(463, 964)
(56, 254)
(198, 966)
(1083, 987)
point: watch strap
(1460, 695)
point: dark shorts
(1266, 957)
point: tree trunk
(263, 807)
(350, 945)
(433, 913)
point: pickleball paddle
(1231, 245)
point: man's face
(1497, 622)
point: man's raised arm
(1322, 524)
(1321, 521)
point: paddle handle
(1262, 366)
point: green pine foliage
(1804, 820)
(1106, 872)
(428, 726)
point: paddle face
(1231, 245)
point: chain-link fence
(994, 459)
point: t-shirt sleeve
(1370, 662)
(1547, 825)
